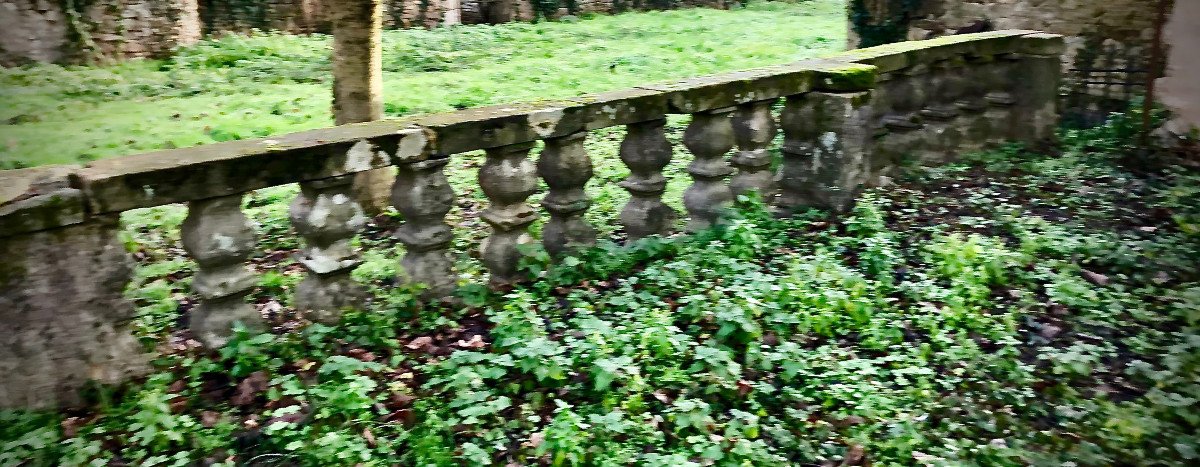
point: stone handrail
(847, 121)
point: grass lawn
(241, 87)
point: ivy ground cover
(1014, 308)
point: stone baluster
(754, 129)
(217, 234)
(646, 152)
(507, 177)
(327, 216)
(566, 168)
(709, 137)
(423, 196)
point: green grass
(1009, 309)
(240, 87)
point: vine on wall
(79, 31)
(882, 21)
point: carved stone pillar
(646, 152)
(327, 216)
(709, 137)
(754, 129)
(826, 151)
(423, 195)
(507, 177)
(217, 234)
(1037, 90)
(566, 168)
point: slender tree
(358, 82)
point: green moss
(851, 77)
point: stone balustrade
(847, 121)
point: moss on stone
(851, 77)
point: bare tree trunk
(358, 83)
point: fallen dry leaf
(476, 342)
(1095, 278)
(250, 388)
(420, 343)
(535, 440)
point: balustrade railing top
(847, 120)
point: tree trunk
(358, 83)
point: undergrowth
(1009, 309)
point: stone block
(38, 199)
(66, 322)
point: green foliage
(892, 27)
(896, 334)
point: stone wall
(1124, 25)
(43, 31)
(848, 122)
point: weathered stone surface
(826, 153)
(327, 217)
(754, 129)
(223, 169)
(622, 107)
(502, 125)
(507, 177)
(566, 168)
(1036, 95)
(423, 195)
(217, 234)
(709, 137)
(1042, 44)
(38, 199)
(729, 89)
(646, 151)
(65, 319)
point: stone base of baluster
(432, 270)
(501, 254)
(754, 174)
(323, 297)
(645, 215)
(212, 321)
